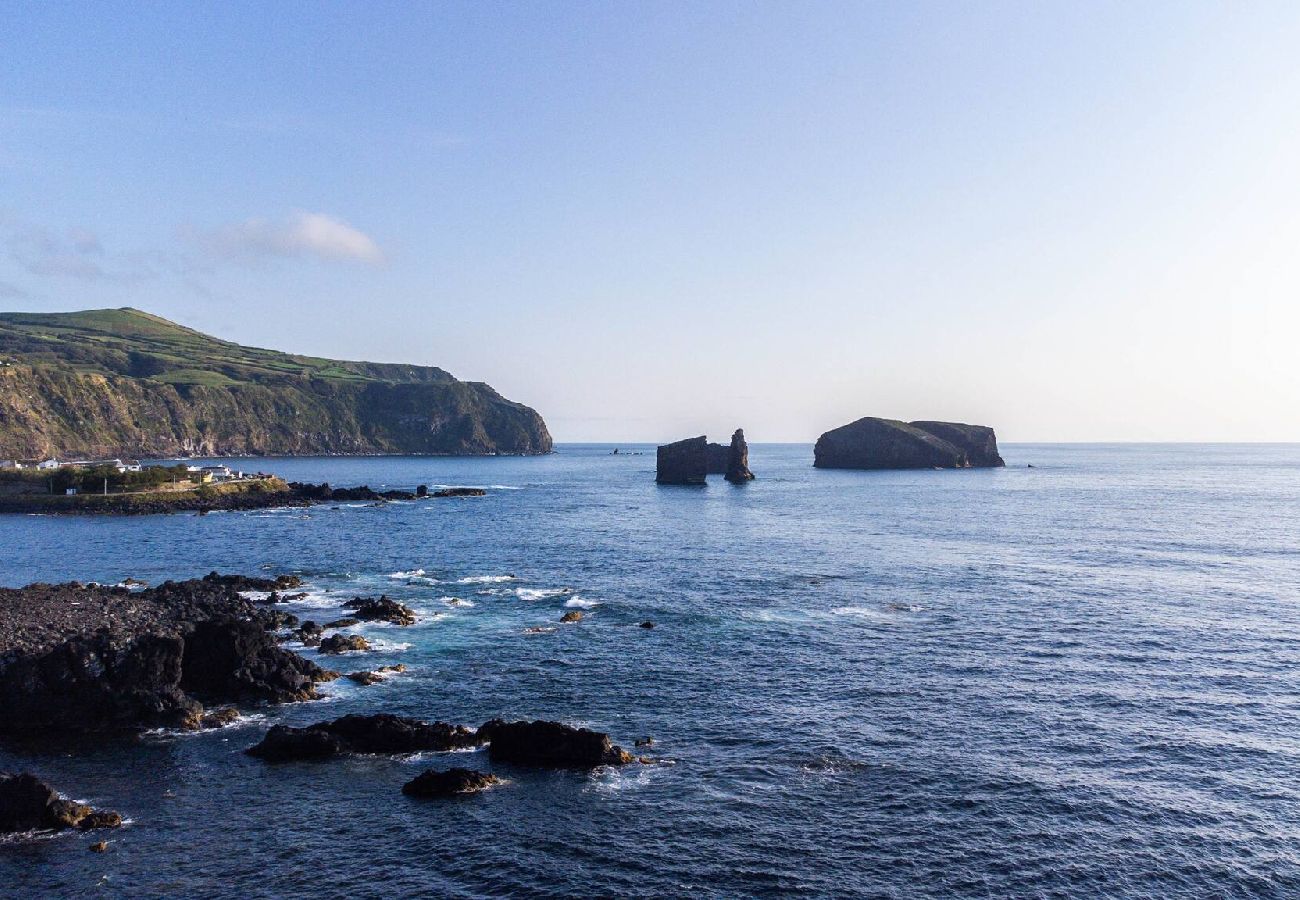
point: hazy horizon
(1074, 223)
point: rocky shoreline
(77, 659)
(263, 494)
(81, 660)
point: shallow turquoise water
(1079, 678)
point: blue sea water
(1076, 679)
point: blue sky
(1069, 221)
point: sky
(1070, 221)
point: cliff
(108, 383)
(872, 443)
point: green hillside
(122, 381)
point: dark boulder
(873, 443)
(284, 743)
(381, 733)
(738, 459)
(346, 622)
(27, 804)
(460, 492)
(381, 609)
(683, 462)
(343, 643)
(449, 783)
(550, 744)
(571, 616)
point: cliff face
(872, 443)
(69, 391)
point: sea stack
(683, 462)
(738, 459)
(872, 443)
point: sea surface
(1076, 679)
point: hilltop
(112, 382)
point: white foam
(540, 593)
(484, 579)
(579, 603)
(414, 573)
(456, 601)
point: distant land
(121, 382)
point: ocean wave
(580, 603)
(413, 573)
(483, 579)
(456, 601)
(540, 593)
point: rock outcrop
(690, 461)
(434, 783)
(737, 470)
(80, 658)
(29, 804)
(550, 744)
(873, 443)
(380, 733)
(683, 462)
(381, 609)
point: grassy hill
(122, 381)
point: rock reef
(434, 783)
(379, 733)
(550, 744)
(873, 443)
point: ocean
(1076, 679)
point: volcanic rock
(683, 462)
(342, 643)
(27, 803)
(550, 744)
(873, 443)
(381, 609)
(738, 459)
(717, 455)
(449, 783)
(572, 615)
(380, 733)
(77, 658)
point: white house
(10, 464)
(48, 464)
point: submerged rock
(550, 744)
(449, 783)
(27, 804)
(571, 616)
(683, 462)
(872, 443)
(380, 733)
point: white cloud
(303, 234)
(75, 254)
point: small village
(71, 477)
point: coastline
(265, 493)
